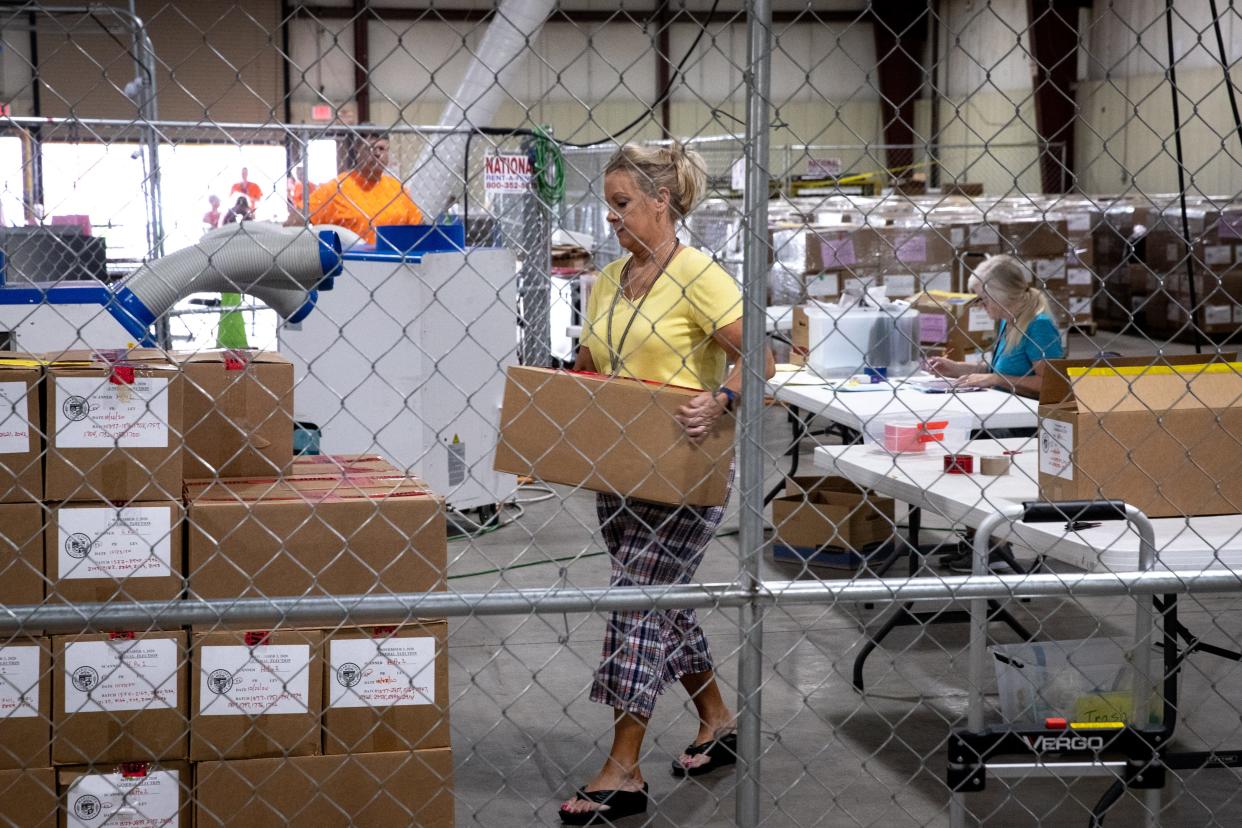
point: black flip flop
(720, 753)
(616, 805)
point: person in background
(1027, 334)
(253, 192)
(211, 219)
(365, 196)
(296, 190)
(240, 211)
(667, 314)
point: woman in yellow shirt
(666, 314)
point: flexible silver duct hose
(285, 264)
(437, 177)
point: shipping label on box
(984, 235)
(1056, 447)
(933, 327)
(1218, 315)
(250, 681)
(1050, 270)
(1217, 255)
(382, 672)
(1078, 222)
(978, 321)
(957, 236)
(941, 280)
(21, 677)
(94, 413)
(111, 542)
(900, 285)
(823, 286)
(837, 254)
(149, 798)
(14, 419)
(120, 674)
(1078, 276)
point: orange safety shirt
(350, 202)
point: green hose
(548, 167)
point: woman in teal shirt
(1026, 337)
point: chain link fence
(383, 445)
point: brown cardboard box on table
(238, 413)
(141, 794)
(827, 520)
(21, 446)
(119, 696)
(956, 322)
(113, 424)
(25, 704)
(410, 789)
(21, 553)
(316, 535)
(1160, 437)
(386, 688)
(28, 798)
(255, 694)
(98, 552)
(610, 435)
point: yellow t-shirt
(671, 338)
(349, 202)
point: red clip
(121, 375)
(256, 638)
(234, 361)
(1056, 723)
(134, 770)
(124, 635)
(382, 632)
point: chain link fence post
(750, 449)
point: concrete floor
(524, 732)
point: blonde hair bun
(674, 168)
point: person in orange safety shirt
(365, 196)
(253, 192)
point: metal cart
(1136, 754)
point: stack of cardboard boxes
(165, 476)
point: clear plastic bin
(914, 433)
(1080, 680)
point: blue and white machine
(406, 358)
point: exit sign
(5, 110)
(319, 112)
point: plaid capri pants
(644, 651)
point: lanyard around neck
(614, 354)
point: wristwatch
(730, 397)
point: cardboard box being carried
(25, 704)
(21, 553)
(113, 427)
(828, 520)
(256, 694)
(21, 449)
(95, 553)
(28, 798)
(610, 435)
(410, 789)
(119, 695)
(386, 688)
(139, 794)
(1160, 437)
(320, 535)
(238, 413)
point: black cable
(1224, 65)
(664, 93)
(1108, 800)
(1181, 178)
